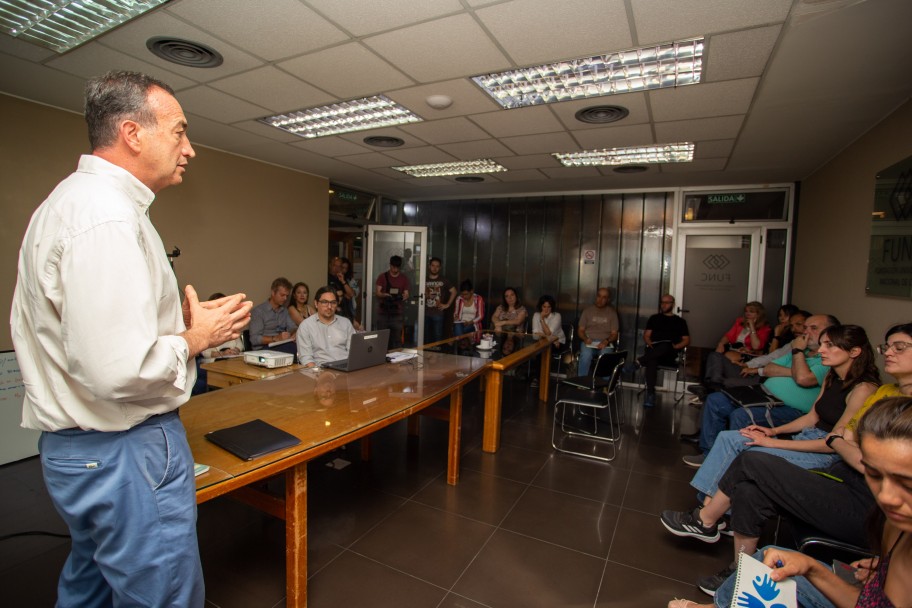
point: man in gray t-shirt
(598, 329)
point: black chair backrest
(605, 366)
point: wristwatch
(831, 439)
(796, 351)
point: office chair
(586, 397)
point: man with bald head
(107, 354)
(795, 379)
(598, 330)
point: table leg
(493, 389)
(455, 436)
(296, 536)
(545, 376)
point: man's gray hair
(115, 97)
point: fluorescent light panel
(61, 25)
(654, 67)
(482, 165)
(343, 117)
(636, 155)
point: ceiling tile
(518, 121)
(529, 161)
(368, 160)
(523, 175)
(23, 49)
(391, 173)
(364, 74)
(24, 79)
(720, 148)
(634, 102)
(571, 172)
(273, 89)
(446, 131)
(438, 50)
(131, 38)
(536, 144)
(467, 99)
(709, 164)
(420, 156)
(282, 29)
(363, 17)
(330, 146)
(536, 31)
(218, 106)
(662, 21)
(613, 137)
(206, 132)
(725, 127)
(267, 131)
(703, 100)
(85, 62)
(739, 54)
(470, 150)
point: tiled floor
(525, 527)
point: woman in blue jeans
(885, 439)
(852, 378)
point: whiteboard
(16, 442)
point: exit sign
(716, 199)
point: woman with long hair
(853, 377)
(758, 486)
(782, 333)
(469, 310)
(299, 306)
(510, 315)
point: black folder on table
(252, 439)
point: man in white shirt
(107, 355)
(324, 337)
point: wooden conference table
(325, 410)
(511, 349)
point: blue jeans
(433, 328)
(587, 355)
(720, 413)
(461, 329)
(808, 595)
(129, 500)
(731, 443)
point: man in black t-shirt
(666, 333)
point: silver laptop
(366, 349)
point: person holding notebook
(324, 337)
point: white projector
(268, 358)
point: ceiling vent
(184, 52)
(383, 141)
(469, 179)
(631, 169)
(600, 115)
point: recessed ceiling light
(653, 67)
(65, 24)
(483, 165)
(600, 115)
(343, 117)
(631, 169)
(384, 141)
(636, 155)
(184, 52)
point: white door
(409, 243)
(721, 271)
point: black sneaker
(687, 523)
(709, 584)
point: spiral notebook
(252, 439)
(754, 588)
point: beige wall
(834, 230)
(225, 204)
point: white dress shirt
(319, 342)
(97, 309)
(554, 324)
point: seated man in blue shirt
(270, 321)
(794, 379)
(325, 336)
